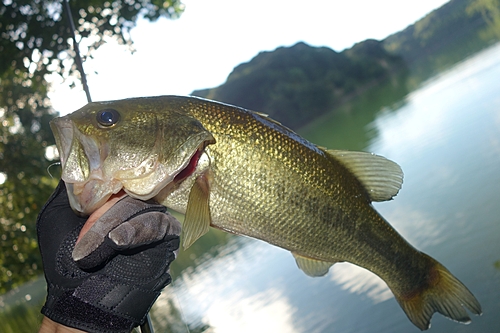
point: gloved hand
(124, 273)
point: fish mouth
(80, 154)
(81, 160)
(63, 134)
(89, 187)
(86, 197)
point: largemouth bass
(242, 172)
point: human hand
(121, 277)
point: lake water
(446, 137)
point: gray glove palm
(128, 224)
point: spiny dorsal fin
(312, 267)
(197, 220)
(381, 177)
(265, 115)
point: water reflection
(433, 115)
(360, 281)
(345, 127)
(212, 290)
(267, 311)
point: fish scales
(259, 185)
(244, 173)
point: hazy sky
(200, 49)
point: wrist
(49, 326)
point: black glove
(124, 279)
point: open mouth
(90, 182)
(80, 154)
(63, 133)
(81, 160)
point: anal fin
(197, 220)
(312, 267)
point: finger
(119, 213)
(99, 212)
(144, 229)
(93, 237)
(141, 230)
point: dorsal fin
(381, 177)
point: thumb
(92, 238)
(144, 229)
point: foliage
(21, 318)
(35, 42)
(490, 11)
(296, 84)
(447, 35)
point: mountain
(446, 35)
(295, 84)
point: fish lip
(63, 131)
(83, 199)
(87, 196)
(65, 134)
(81, 194)
(89, 188)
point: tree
(490, 11)
(35, 41)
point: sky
(201, 48)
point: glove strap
(109, 306)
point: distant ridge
(446, 35)
(295, 84)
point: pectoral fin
(197, 220)
(312, 267)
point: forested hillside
(447, 35)
(296, 84)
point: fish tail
(441, 292)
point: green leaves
(35, 42)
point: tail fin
(444, 294)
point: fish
(242, 172)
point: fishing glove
(126, 271)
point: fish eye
(108, 117)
